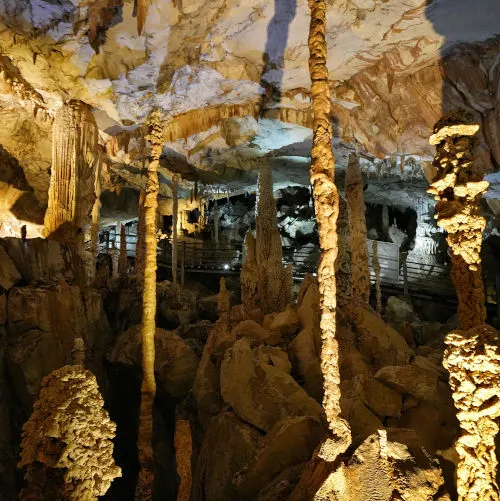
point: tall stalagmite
(326, 202)
(473, 360)
(75, 156)
(343, 262)
(96, 209)
(175, 223)
(249, 276)
(359, 251)
(458, 186)
(144, 490)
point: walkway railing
(396, 271)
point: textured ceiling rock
(203, 62)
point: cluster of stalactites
(67, 448)
(473, 360)
(75, 156)
(359, 251)
(458, 186)
(265, 283)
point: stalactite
(183, 444)
(175, 217)
(148, 327)
(376, 269)
(326, 201)
(139, 242)
(359, 251)
(123, 265)
(458, 186)
(67, 448)
(249, 275)
(142, 7)
(473, 360)
(343, 261)
(74, 159)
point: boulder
(379, 398)
(262, 394)
(207, 308)
(9, 275)
(285, 323)
(276, 357)
(290, 442)
(305, 358)
(428, 364)
(400, 309)
(351, 362)
(239, 313)
(199, 330)
(410, 379)
(256, 333)
(378, 342)
(390, 464)
(175, 362)
(228, 445)
(282, 486)
(31, 356)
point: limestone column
(144, 490)
(343, 271)
(326, 202)
(457, 187)
(115, 262)
(96, 209)
(74, 159)
(359, 251)
(175, 217)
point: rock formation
(123, 265)
(144, 487)
(473, 360)
(67, 448)
(140, 242)
(175, 224)
(359, 251)
(326, 202)
(249, 277)
(343, 263)
(458, 186)
(183, 451)
(74, 160)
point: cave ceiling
(231, 80)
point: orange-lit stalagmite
(145, 482)
(74, 159)
(473, 360)
(326, 202)
(359, 251)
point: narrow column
(326, 202)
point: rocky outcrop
(67, 448)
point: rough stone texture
(390, 464)
(382, 400)
(473, 361)
(175, 362)
(378, 342)
(285, 323)
(9, 275)
(259, 393)
(359, 251)
(276, 357)
(256, 333)
(183, 444)
(233, 443)
(67, 448)
(290, 442)
(458, 186)
(343, 263)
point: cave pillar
(359, 251)
(96, 209)
(114, 253)
(457, 187)
(75, 156)
(326, 203)
(144, 487)
(175, 217)
(343, 266)
(473, 360)
(249, 276)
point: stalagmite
(67, 448)
(144, 489)
(123, 265)
(376, 269)
(74, 159)
(175, 217)
(473, 360)
(343, 261)
(140, 242)
(326, 201)
(183, 444)
(458, 186)
(249, 275)
(359, 251)
(96, 208)
(114, 253)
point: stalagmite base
(473, 360)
